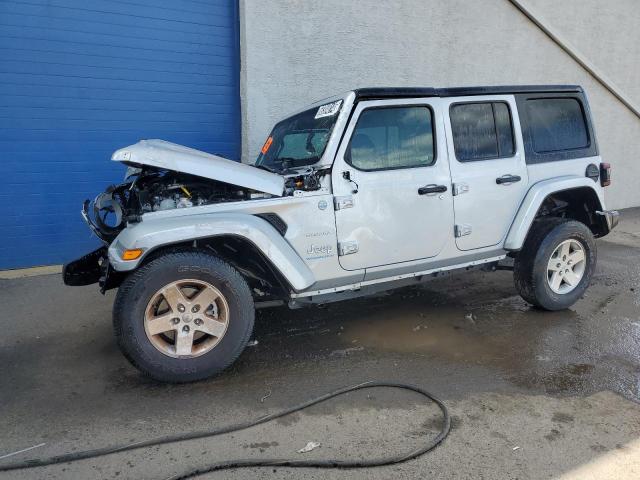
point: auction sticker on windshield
(329, 109)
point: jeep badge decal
(320, 250)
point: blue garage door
(82, 78)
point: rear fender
(534, 199)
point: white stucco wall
(298, 51)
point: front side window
(557, 124)
(481, 131)
(299, 140)
(392, 137)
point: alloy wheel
(186, 318)
(566, 266)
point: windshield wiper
(289, 162)
(264, 167)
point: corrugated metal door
(81, 78)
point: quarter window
(557, 124)
(392, 137)
(481, 131)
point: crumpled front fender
(151, 234)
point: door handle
(427, 189)
(508, 179)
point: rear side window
(481, 131)
(557, 124)
(388, 138)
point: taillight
(605, 174)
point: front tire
(555, 265)
(183, 317)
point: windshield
(299, 140)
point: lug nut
(175, 321)
(198, 321)
(185, 328)
(180, 308)
(195, 308)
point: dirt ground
(532, 394)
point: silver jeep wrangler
(367, 191)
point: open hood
(170, 156)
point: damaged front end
(92, 268)
(163, 176)
(147, 189)
(86, 270)
(151, 189)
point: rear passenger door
(487, 164)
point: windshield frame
(325, 159)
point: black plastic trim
(433, 188)
(379, 93)
(276, 222)
(592, 172)
(86, 270)
(508, 179)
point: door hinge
(347, 248)
(460, 188)
(340, 203)
(462, 230)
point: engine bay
(150, 189)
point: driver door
(392, 184)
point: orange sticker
(267, 144)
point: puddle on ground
(579, 350)
(477, 320)
(493, 331)
(443, 333)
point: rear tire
(555, 265)
(187, 297)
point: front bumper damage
(86, 270)
(92, 268)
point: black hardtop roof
(416, 92)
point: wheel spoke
(184, 342)
(564, 250)
(160, 324)
(553, 266)
(173, 295)
(576, 257)
(556, 280)
(212, 327)
(205, 298)
(571, 278)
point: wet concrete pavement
(533, 394)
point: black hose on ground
(247, 463)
